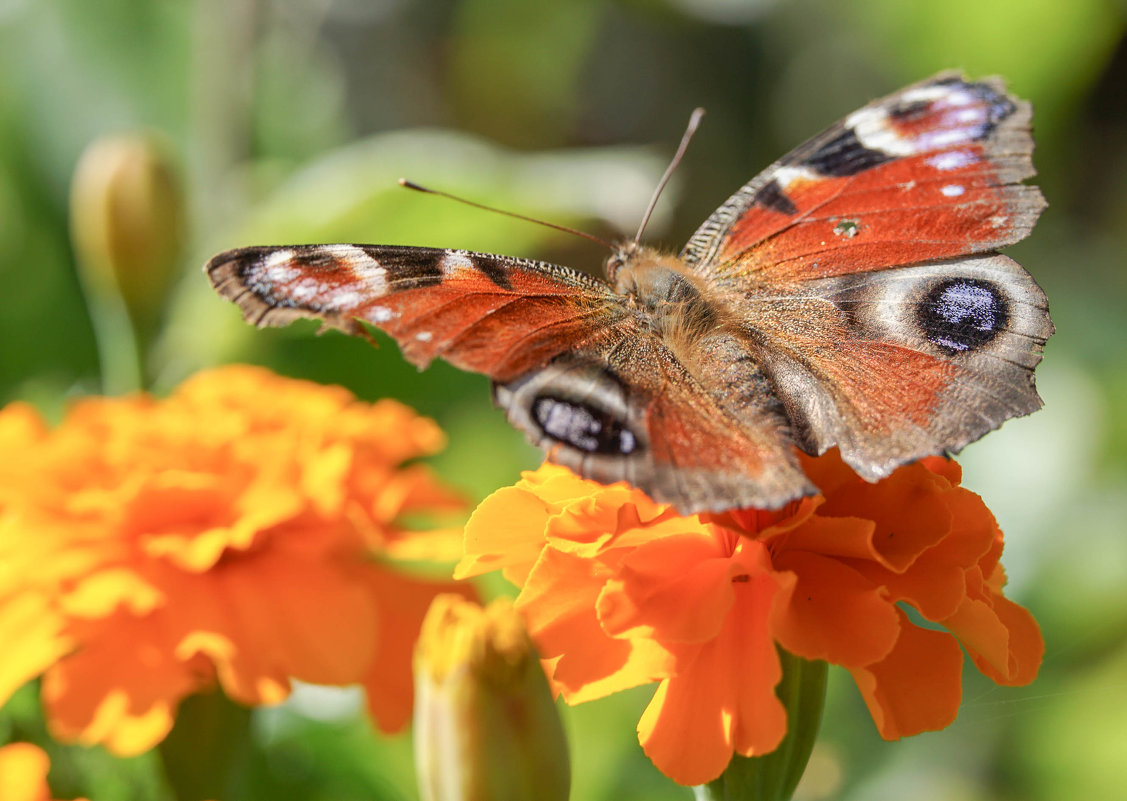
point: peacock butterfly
(850, 295)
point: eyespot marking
(582, 426)
(962, 314)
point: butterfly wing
(575, 368)
(862, 265)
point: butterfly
(851, 296)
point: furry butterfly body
(850, 296)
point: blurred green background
(292, 119)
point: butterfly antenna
(690, 129)
(419, 188)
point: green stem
(773, 776)
(119, 351)
(206, 747)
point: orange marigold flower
(232, 533)
(23, 773)
(619, 591)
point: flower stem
(206, 746)
(773, 776)
(119, 348)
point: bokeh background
(290, 121)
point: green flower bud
(128, 220)
(486, 727)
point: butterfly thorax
(664, 290)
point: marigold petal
(312, 621)
(838, 537)
(323, 476)
(558, 602)
(401, 603)
(723, 701)
(505, 532)
(556, 485)
(434, 545)
(414, 488)
(100, 593)
(942, 466)
(120, 689)
(828, 472)
(916, 687)
(1002, 638)
(835, 613)
(34, 637)
(1026, 646)
(907, 510)
(676, 589)
(23, 773)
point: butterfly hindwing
(701, 435)
(575, 369)
(862, 266)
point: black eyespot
(582, 426)
(962, 314)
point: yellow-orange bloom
(23, 773)
(619, 591)
(232, 533)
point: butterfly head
(622, 254)
(646, 274)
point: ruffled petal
(34, 636)
(1001, 637)
(121, 689)
(559, 603)
(498, 535)
(916, 687)
(675, 589)
(834, 613)
(722, 701)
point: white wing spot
(278, 267)
(424, 336)
(381, 314)
(343, 300)
(952, 159)
(364, 269)
(454, 261)
(872, 128)
(785, 176)
(953, 190)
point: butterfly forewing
(576, 368)
(851, 263)
(931, 172)
(490, 314)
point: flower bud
(127, 219)
(486, 727)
